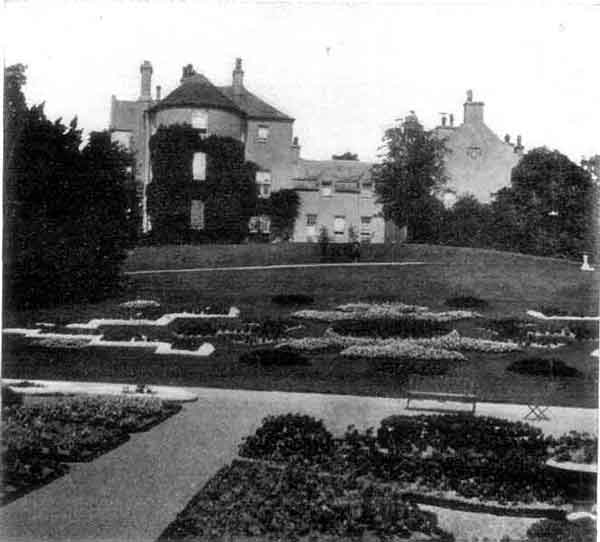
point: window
(326, 188)
(200, 121)
(199, 166)
(259, 224)
(339, 225)
(311, 220)
(263, 182)
(367, 189)
(263, 133)
(474, 152)
(365, 228)
(311, 227)
(197, 215)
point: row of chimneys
(187, 74)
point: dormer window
(263, 182)
(200, 121)
(263, 133)
(199, 166)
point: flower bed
(576, 448)
(477, 461)
(378, 311)
(543, 367)
(257, 500)
(384, 328)
(550, 530)
(401, 349)
(38, 438)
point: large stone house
(478, 161)
(337, 195)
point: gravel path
(135, 491)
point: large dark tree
(410, 177)
(467, 223)
(552, 198)
(65, 225)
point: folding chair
(540, 404)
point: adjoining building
(478, 162)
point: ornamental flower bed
(270, 503)
(575, 447)
(401, 349)
(477, 461)
(38, 438)
(377, 311)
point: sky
(344, 70)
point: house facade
(333, 195)
(478, 161)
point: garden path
(135, 491)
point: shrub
(292, 299)
(268, 357)
(186, 343)
(543, 367)
(289, 436)
(510, 328)
(203, 328)
(551, 530)
(466, 302)
(11, 397)
(383, 327)
(405, 367)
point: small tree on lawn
(409, 178)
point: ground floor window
(339, 225)
(197, 215)
(259, 224)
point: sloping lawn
(511, 284)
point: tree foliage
(66, 226)
(410, 176)
(345, 156)
(552, 202)
(228, 192)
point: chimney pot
(146, 81)
(469, 95)
(451, 120)
(238, 78)
(444, 120)
(158, 92)
(507, 138)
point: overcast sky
(344, 70)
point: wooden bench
(441, 396)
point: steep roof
(198, 91)
(339, 171)
(253, 106)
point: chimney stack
(473, 111)
(451, 120)
(443, 120)
(146, 83)
(158, 92)
(238, 78)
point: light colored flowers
(375, 311)
(140, 304)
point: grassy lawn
(510, 283)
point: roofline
(198, 105)
(265, 118)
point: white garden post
(585, 266)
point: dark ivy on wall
(228, 192)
